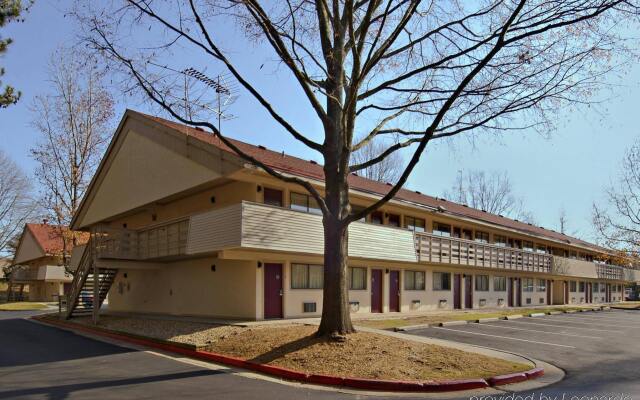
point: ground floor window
(596, 287)
(582, 286)
(307, 276)
(542, 285)
(414, 280)
(499, 283)
(527, 284)
(482, 283)
(572, 286)
(357, 278)
(441, 281)
(603, 287)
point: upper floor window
(541, 249)
(376, 217)
(467, 234)
(414, 280)
(514, 243)
(273, 197)
(415, 224)
(482, 237)
(394, 220)
(304, 202)
(527, 246)
(500, 240)
(482, 283)
(441, 229)
(573, 254)
(306, 276)
(356, 209)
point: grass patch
(22, 306)
(628, 305)
(470, 315)
(362, 355)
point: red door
(376, 290)
(589, 300)
(468, 291)
(272, 291)
(394, 291)
(457, 298)
(66, 288)
(608, 294)
(566, 292)
(510, 292)
(518, 292)
(548, 292)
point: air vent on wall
(309, 307)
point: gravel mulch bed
(196, 333)
(362, 355)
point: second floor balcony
(254, 226)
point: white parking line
(560, 326)
(504, 337)
(532, 330)
(604, 318)
(578, 321)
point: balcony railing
(455, 251)
(613, 272)
(155, 242)
(24, 274)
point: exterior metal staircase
(90, 286)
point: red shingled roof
(49, 237)
(304, 168)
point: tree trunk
(336, 319)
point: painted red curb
(288, 374)
(450, 386)
(507, 379)
(326, 380)
(534, 373)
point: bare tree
(387, 170)
(419, 71)
(617, 220)
(562, 220)
(17, 204)
(491, 192)
(75, 123)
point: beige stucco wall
(45, 291)
(188, 287)
(145, 168)
(28, 249)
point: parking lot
(599, 351)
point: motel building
(38, 273)
(181, 225)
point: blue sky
(567, 170)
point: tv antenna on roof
(224, 87)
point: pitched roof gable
(307, 169)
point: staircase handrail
(79, 278)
